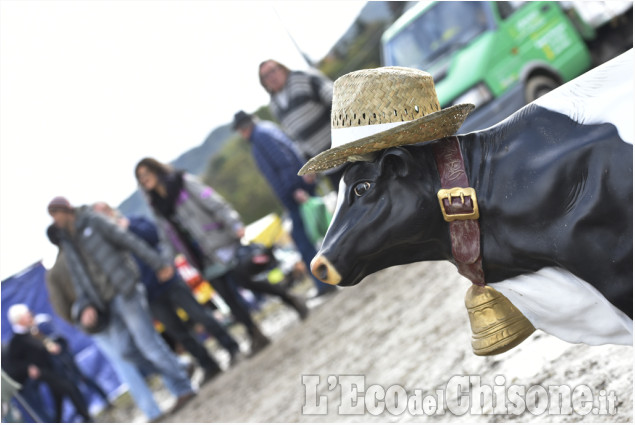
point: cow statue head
(373, 113)
(387, 214)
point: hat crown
(382, 95)
(374, 109)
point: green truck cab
(498, 55)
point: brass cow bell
(497, 325)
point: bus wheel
(538, 86)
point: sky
(89, 88)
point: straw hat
(375, 109)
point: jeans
(132, 332)
(164, 308)
(304, 246)
(129, 374)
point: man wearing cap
(62, 296)
(279, 162)
(110, 298)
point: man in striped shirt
(301, 102)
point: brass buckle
(458, 192)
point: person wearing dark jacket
(62, 296)
(165, 297)
(197, 222)
(31, 357)
(110, 299)
(279, 162)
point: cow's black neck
(525, 208)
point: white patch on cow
(602, 95)
(557, 302)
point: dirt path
(407, 326)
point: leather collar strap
(460, 208)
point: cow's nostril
(322, 268)
(322, 272)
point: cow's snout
(322, 268)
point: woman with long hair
(196, 221)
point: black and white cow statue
(550, 196)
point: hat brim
(431, 127)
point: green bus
(498, 55)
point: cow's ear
(396, 161)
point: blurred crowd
(116, 278)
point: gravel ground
(404, 332)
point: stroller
(266, 264)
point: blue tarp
(28, 287)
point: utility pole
(306, 58)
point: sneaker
(182, 401)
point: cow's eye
(361, 188)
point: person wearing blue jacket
(279, 162)
(165, 297)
